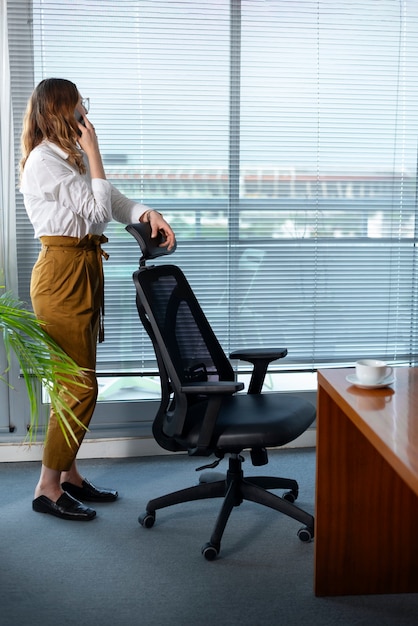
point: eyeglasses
(85, 103)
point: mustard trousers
(67, 294)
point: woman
(69, 202)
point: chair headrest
(150, 246)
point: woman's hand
(159, 225)
(89, 143)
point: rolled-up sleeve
(125, 210)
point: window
(280, 141)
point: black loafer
(65, 507)
(89, 492)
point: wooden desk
(366, 535)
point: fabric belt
(89, 242)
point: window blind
(280, 141)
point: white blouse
(61, 201)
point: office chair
(201, 411)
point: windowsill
(142, 388)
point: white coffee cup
(372, 371)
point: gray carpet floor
(111, 571)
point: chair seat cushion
(256, 421)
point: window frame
(233, 204)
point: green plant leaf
(41, 360)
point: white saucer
(352, 378)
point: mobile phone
(79, 118)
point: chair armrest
(261, 359)
(215, 387)
(215, 390)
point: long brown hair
(50, 115)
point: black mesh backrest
(189, 348)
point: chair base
(234, 489)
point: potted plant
(41, 360)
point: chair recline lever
(209, 465)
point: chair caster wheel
(290, 496)
(210, 552)
(147, 520)
(306, 534)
